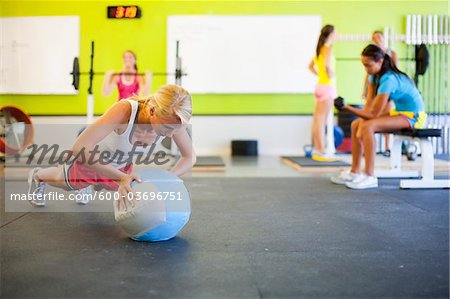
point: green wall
(147, 37)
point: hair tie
(178, 100)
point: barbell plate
(75, 73)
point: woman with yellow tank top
(323, 65)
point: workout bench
(427, 174)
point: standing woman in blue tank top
(386, 82)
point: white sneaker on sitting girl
(363, 182)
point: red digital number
(120, 12)
(131, 12)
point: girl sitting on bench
(386, 82)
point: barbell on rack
(76, 73)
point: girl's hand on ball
(126, 193)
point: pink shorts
(325, 92)
(79, 176)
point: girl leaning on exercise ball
(127, 128)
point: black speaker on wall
(244, 148)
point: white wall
(244, 54)
(212, 135)
(33, 46)
(276, 135)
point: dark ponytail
(324, 33)
(376, 53)
(389, 65)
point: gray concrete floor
(259, 230)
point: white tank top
(120, 146)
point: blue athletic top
(401, 90)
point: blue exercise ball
(338, 136)
(161, 212)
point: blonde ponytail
(170, 100)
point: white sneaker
(363, 182)
(85, 195)
(36, 189)
(344, 177)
